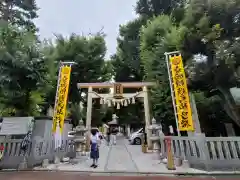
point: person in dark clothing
(108, 138)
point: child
(94, 154)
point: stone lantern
(155, 128)
(79, 139)
(155, 138)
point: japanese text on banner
(62, 94)
(183, 106)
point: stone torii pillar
(147, 116)
(89, 108)
(89, 117)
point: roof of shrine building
(15, 125)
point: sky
(84, 17)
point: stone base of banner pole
(23, 164)
(185, 163)
(56, 156)
(45, 163)
(56, 159)
(178, 161)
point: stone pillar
(147, 116)
(203, 150)
(89, 117)
(196, 122)
(128, 130)
(230, 130)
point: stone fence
(208, 153)
(13, 157)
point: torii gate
(118, 97)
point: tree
(127, 60)
(23, 72)
(211, 114)
(213, 32)
(48, 49)
(19, 12)
(152, 8)
(127, 67)
(127, 63)
(159, 36)
(88, 53)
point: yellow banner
(62, 95)
(183, 106)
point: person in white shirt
(94, 154)
(114, 135)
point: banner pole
(57, 134)
(58, 81)
(167, 54)
(171, 88)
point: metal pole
(172, 93)
(59, 74)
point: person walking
(108, 137)
(114, 135)
(94, 154)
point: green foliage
(208, 28)
(75, 114)
(160, 35)
(22, 70)
(152, 8)
(88, 53)
(127, 60)
(213, 31)
(127, 66)
(20, 13)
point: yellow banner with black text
(62, 95)
(183, 106)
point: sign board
(118, 91)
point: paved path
(78, 176)
(121, 158)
